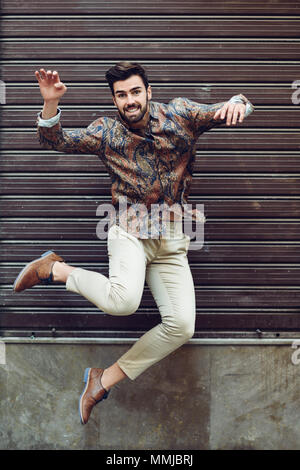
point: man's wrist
(51, 102)
(50, 108)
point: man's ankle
(61, 271)
(104, 381)
(111, 376)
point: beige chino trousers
(163, 264)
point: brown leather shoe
(92, 393)
(39, 271)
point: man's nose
(130, 100)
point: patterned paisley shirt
(151, 170)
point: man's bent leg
(171, 283)
(121, 292)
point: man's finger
(242, 113)
(43, 74)
(217, 114)
(224, 110)
(229, 114)
(56, 76)
(58, 85)
(235, 114)
(37, 75)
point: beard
(136, 116)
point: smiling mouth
(132, 110)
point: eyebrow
(132, 89)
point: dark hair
(124, 70)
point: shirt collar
(154, 110)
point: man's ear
(114, 100)
(149, 92)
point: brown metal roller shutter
(247, 276)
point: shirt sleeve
(200, 117)
(52, 136)
(49, 122)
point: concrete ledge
(112, 340)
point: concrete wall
(200, 397)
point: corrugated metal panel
(140, 49)
(150, 26)
(196, 72)
(247, 274)
(144, 7)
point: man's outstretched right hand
(52, 89)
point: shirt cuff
(49, 122)
(242, 99)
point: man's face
(132, 100)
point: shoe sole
(29, 264)
(86, 380)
